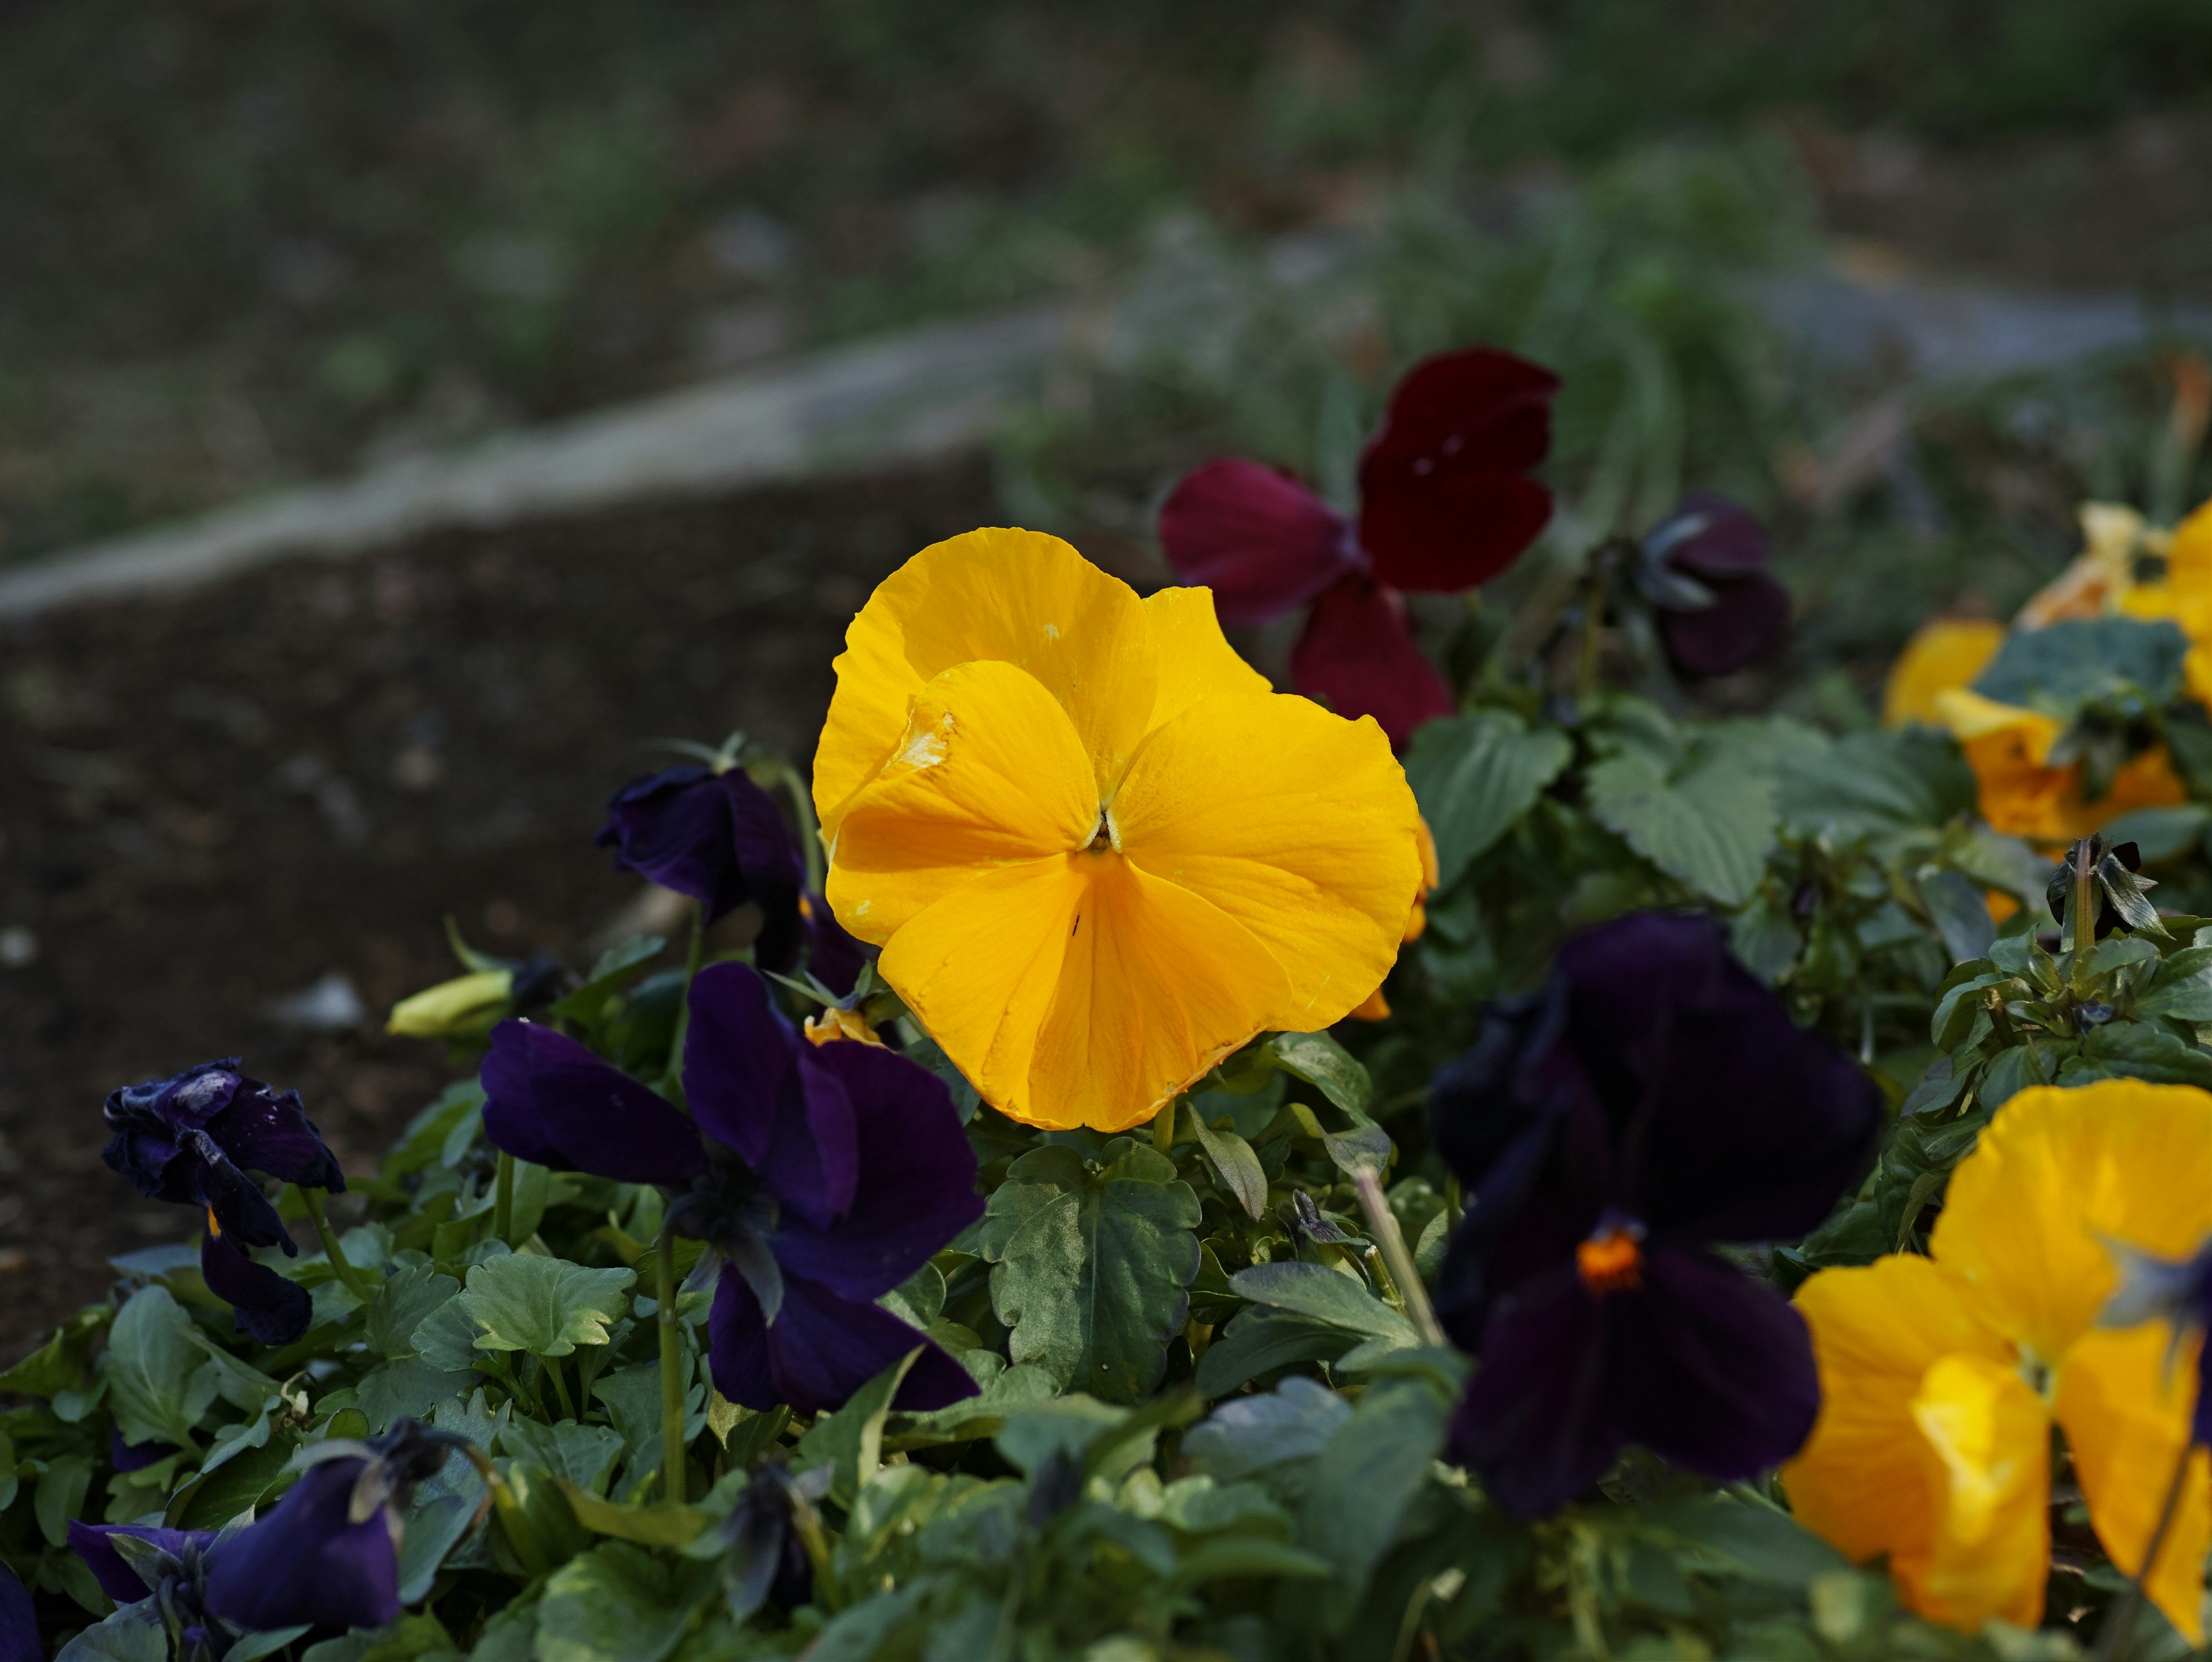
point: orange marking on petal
(1610, 1262)
(214, 1228)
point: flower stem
(2118, 1625)
(351, 1276)
(502, 1205)
(2085, 913)
(671, 1081)
(1164, 1126)
(672, 1380)
(1383, 1222)
(560, 1387)
(1587, 659)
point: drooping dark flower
(193, 1139)
(95, 1545)
(1653, 1099)
(1446, 503)
(19, 1621)
(1704, 568)
(328, 1555)
(826, 1175)
(718, 838)
(2115, 882)
(764, 1558)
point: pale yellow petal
(1195, 658)
(1946, 654)
(2125, 1400)
(2056, 1172)
(988, 772)
(1081, 991)
(1016, 597)
(1860, 1481)
(1296, 823)
(1985, 1447)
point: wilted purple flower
(95, 1545)
(328, 1555)
(1704, 570)
(825, 1174)
(19, 1621)
(193, 1139)
(717, 837)
(1651, 1100)
(764, 1559)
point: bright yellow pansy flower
(1098, 852)
(1941, 1377)
(2022, 794)
(2184, 597)
(1944, 655)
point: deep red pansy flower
(1446, 503)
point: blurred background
(1909, 277)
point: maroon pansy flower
(824, 1175)
(1653, 1100)
(1704, 570)
(1445, 504)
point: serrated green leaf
(581, 1455)
(851, 1440)
(154, 1380)
(546, 1306)
(1872, 783)
(1474, 775)
(133, 1634)
(1090, 1268)
(2059, 669)
(400, 1306)
(619, 1603)
(1710, 828)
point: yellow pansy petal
(2057, 1170)
(1946, 654)
(2150, 601)
(1081, 991)
(1296, 823)
(1985, 1447)
(1969, 715)
(2125, 1399)
(1156, 986)
(1195, 659)
(1860, 1483)
(2196, 674)
(2189, 553)
(987, 772)
(1016, 597)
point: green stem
(2085, 913)
(502, 1205)
(2119, 1626)
(671, 1081)
(351, 1276)
(672, 1378)
(810, 828)
(1383, 1224)
(1164, 1128)
(560, 1387)
(1587, 662)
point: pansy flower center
(1611, 1260)
(725, 1208)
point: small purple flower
(1705, 571)
(19, 1621)
(1651, 1100)
(826, 1175)
(717, 837)
(95, 1545)
(193, 1139)
(328, 1555)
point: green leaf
(851, 1440)
(1872, 783)
(446, 1339)
(631, 1396)
(1709, 828)
(1367, 1477)
(1323, 1064)
(1316, 1291)
(1091, 1264)
(255, 1646)
(1293, 1421)
(1249, 1556)
(154, 1380)
(2182, 992)
(1236, 1167)
(63, 1362)
(133, 1634)
(577, 1454)
(2083, 660)
(2159, 833)
(60, 1496)
(1474, 775)
(617, 968)
(1961, 916)
(1068, 1426)
(2139, 1049)
(546, 1306)
(657, 1525)
(1262, 1340)
(619, 1603)
(239, 1483)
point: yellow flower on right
(1941, 1377)
(2186, 596)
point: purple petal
(117, 1578)
(273, 1310)
(915, 1187)
(821, 1350)
(1712, 1370)
(757, 1088)
(549, 1100)
(134, 1456)
(263, 1130)
(1709, 536)
(1535, 1422)
(306, 1563)
(1258, 539)
(1745, 622)
(834, 958)
(19, 1621)
(234, 1199)
(717, 837)
(1357, 653)
(152, 1123)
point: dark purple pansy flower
(1652, 1100)
(764, 1560)
(95, 1545)
(1446, 503)
(19, 1621)
(328, 1555)
(1705, 571)
(833, 957)
(825, 1174)
(194, 1139)
(717, 837)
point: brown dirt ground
(209, 802)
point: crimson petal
(549, 1100)
(1258, 539)
(1745, 622)
(1445, 501)
(1357, 653)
